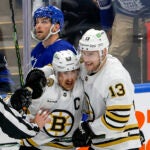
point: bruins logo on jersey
(50, 82)
(61, 123)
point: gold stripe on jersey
(119, 107)
(117, 141)
(114, 121)
(51, 144)
(131, 130)
(58, 145)
(116, 117)
(131, 127)
(109, 126)
(32, 142)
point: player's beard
(93, 67)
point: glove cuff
(29, 89)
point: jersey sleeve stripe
(111, 126)
(119, 107)
(117, 118)
(117, 141)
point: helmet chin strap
(34, 35)
(103, 58)
(49, 34)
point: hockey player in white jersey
(64, 98)
(108, 86)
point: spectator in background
(80, 15)
(107, 14)
(48, 22)
(128, 14)
(5, 77)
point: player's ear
(56, 27)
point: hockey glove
(21, 99)
(82, 135)
(36, 80)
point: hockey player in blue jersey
(48, 22)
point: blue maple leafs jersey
(41, 56)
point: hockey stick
(16, 44)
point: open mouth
(39, 32)
(69, 83)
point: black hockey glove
(21, 99)
(36, 80)
(82, 135)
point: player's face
(67, 79)
(42, 27)
(91, 60)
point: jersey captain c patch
(61, 123)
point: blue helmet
(52, 12)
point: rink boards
(142, 106)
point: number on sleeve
(117, 90)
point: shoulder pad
(50, 82)
(81, 60)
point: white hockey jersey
(65, 113)
(111, 93)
